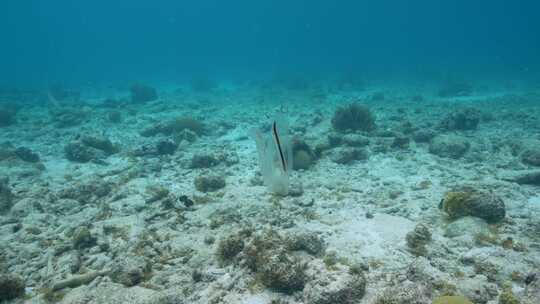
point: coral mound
(273, 264)
(353, 117)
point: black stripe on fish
(278, 144)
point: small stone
(27, 155)
(186, 201)
(209, 183)
(82, 238)
(531, 278)
(156, 193)
(334, 139)
(78, 152)
(347, 155)
(203, 160)
(166, 147)
(296, 189)
(129, 271)
(302, 160)
(303, 155)
(401, 142)
(209, 240)
(424, 135)
(196, 275)
(451, 146)
(100, 143)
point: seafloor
(107, 197)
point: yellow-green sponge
(451, 300)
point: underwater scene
(270, 152)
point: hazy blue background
(105, 41)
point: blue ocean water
(99, 41)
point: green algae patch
(456, 203)
(507, 296)
(452, 300)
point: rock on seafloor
(466, 200)
(449, 145)
(530, 177)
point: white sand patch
(370, 238)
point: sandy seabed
(162, 202)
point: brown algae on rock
(469, 201)
(456, 203)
